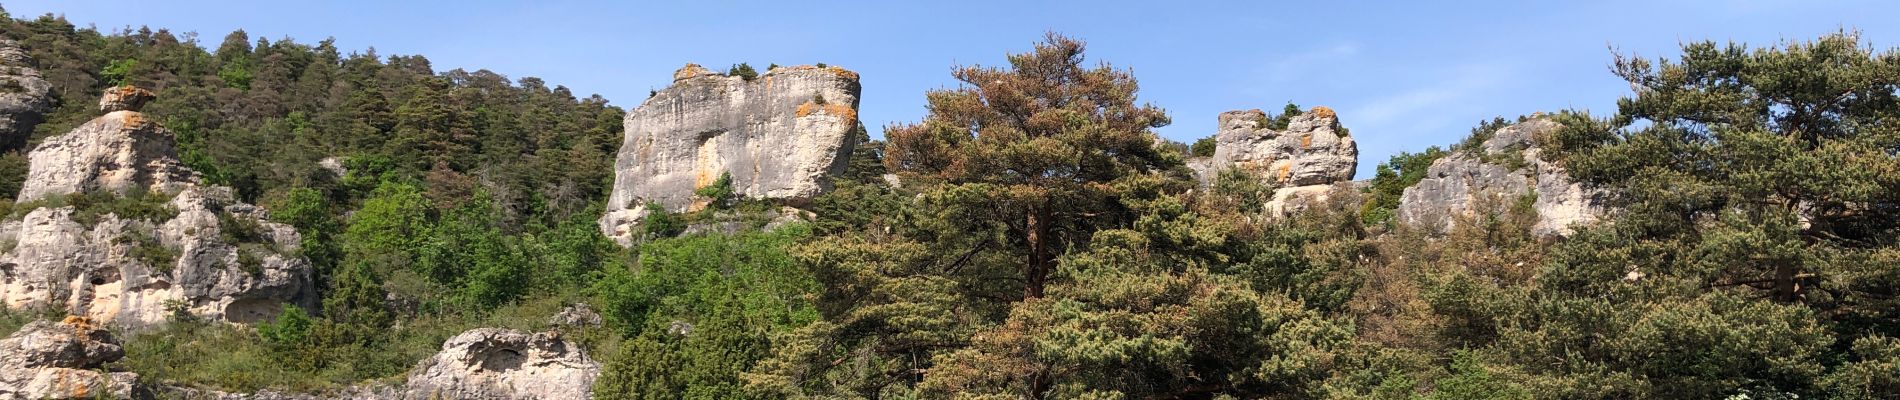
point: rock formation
(25, 97)
(490, 363)
(121, 232)
(1303, 161)
(62, 360)
(122, 152)
(780, 136)
(1505, 169)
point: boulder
(25, 97)
(780, 136)
(124, 98)
(492, 363)
(194, 248)
(62, 360)
(1503, 170)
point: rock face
(1313, 150)
(1505, 169)
(25, 97)
(195, 249)
(490, 363)
(122, 152)
(62, 360)
(1303, 161)
(781, 136)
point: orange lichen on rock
(1285, 171)
(1306, 141)
(834, 109)
(847, 74)
(689, 71)
(1323, 112)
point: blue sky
(1403, 75)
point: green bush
(1203, 147)
(744, 71)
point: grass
(228, 357)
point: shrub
(661, 223)
(1203, 147)
(719, 193)
(744, 71)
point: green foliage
(700, 310)
(150, 252)
(1287, 113)
(291, 328)
(660, 222)
(1474, 143)
(1203, 147)
(1401, 171)
(744, 71)
(119, 72)
(718, 194)
(90, 207)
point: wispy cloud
(1297, 65)
(1457, 86)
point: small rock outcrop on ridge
(492, 363)
(1505, 169)
(121, 232)
(780, 135)
(1303, 160)
(122, 152)
(62, 360)
(25, 97)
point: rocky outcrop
(490, 363)
(62, 360)
(1506, 169)
(1312, 150)
(1302, 161)
(780, 135)
(122, 152)
(121, 232)
(25, 97)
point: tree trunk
(1037, 272)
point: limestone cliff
(25, 97)
(1506, 168)
(116, 229)
(780, 135)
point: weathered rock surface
(216, 257)
(1491, 179)
(122, 152)
(25, 97)
(1289, 201)
(62, 360)
(1303, 161)
(781, 136)
(125, 98)
(490, 363)
(1313, 150)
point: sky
(1402, 75)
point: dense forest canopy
(1032, 238)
